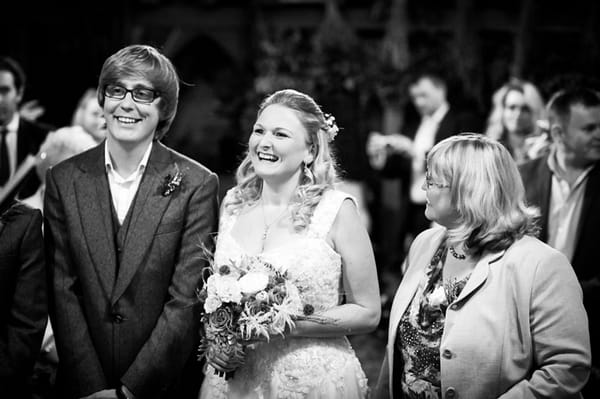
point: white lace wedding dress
(296, 367)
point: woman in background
(58, 146)
(514, 120)
(88, 115)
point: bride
(285, 210)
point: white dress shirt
(123, 189)
(422, 143)
(564, 210)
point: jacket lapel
(148, 208)
(93, 198)
(410, 282)
(592, 189)
(479, 274)
(544, 184)
(23, 145)
(404, 295)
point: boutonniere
(172, 181)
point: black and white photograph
(320, 199)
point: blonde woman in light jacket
(485, 310)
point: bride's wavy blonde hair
(312, 185)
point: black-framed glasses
(139, 94)
(429, 183)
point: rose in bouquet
(245, 300)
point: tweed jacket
(517, 330)
(137, 325)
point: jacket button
(446, 354)
(117, 318)
(451, 393)
(454, 307)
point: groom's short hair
(142, 61)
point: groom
(125, 223)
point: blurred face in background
(92, 119)
(9, 97)
(517, 115)
(580, 140)
(427, 96)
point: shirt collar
(142, 165)
(557, 171)
(13, 125)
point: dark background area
(62, 45)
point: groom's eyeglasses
(139, 94)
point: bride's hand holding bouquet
(245, 302)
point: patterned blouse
(421, 328)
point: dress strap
(326, 211)
(227, 217)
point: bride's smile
(278, 144)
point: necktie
(4, 165)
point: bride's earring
(307, 173)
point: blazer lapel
(93, 198)
(404, 295)
(544, 183)
(479, 274)
(148, 208)
(23, 144)
(592, 189)
(410, 283)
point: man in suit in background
(565, 185)
(403, 155)
(23, 302)
(19, 137)
(125, 226)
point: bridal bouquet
(245, 300)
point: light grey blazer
(517, 330)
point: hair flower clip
(331, 128)
(172, 182)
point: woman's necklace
(268, 225)
(455, 254)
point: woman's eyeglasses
(429, 183)
(139, 94)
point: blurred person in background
(23, 302)
(403, 155)
(58, 146)
(565, 185)
(89, 116)
(517, 109)
(19, 136)
(485, 309)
